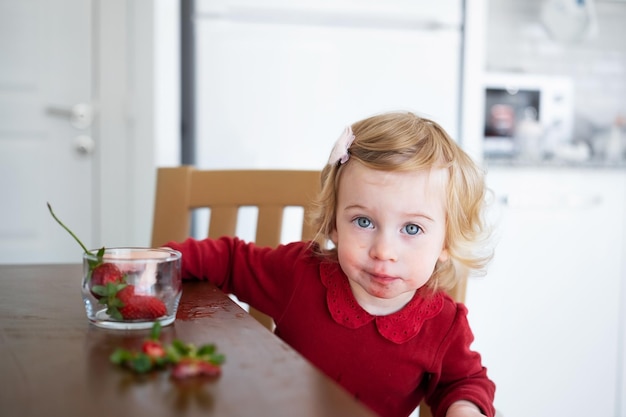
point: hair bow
(340, 153)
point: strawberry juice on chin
(131, 288)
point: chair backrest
(182, 189)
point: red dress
(388, 362)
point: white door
(45, 133)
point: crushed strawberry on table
(185, 359)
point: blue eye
(412, 229)
(363, 222)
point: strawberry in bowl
(129, 287)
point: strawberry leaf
(100, 290)
(115, 303)
(206, 350)
(108, 297)
(156, 331)
(120, 356)
(208, 353)
(177, 351)
(217, 359)
(94, 263)
(113, 288)
(141, 363)
(114, 312)
(181, 347)
(173, 355)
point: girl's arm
(463, 409)
(459, 378)
(262, 277)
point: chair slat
(269, 225)
(223, 221)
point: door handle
(84, 144)
(80, 116)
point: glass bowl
(131, 288)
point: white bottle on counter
(614, 145)
(528, 137)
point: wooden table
(54, 363)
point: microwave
(513, 99)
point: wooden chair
(182, 189)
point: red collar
(398, 327)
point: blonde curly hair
(403, 141)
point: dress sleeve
(260, 276)
(459, 373)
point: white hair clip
(340, 152)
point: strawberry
(125, 293)
(124, 304)
(152, 354)
(154, 349)
(105, 273)
(191, 367)
(140, 307)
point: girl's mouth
(381, 277)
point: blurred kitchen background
(573, 52)
(94, 95)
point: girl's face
(390, 233)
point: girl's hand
(463, 409)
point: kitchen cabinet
(549, 315)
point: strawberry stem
(66, 228)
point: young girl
(399, 220)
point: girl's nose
(383, 248)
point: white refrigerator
(278, 80)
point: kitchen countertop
(550, 163)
